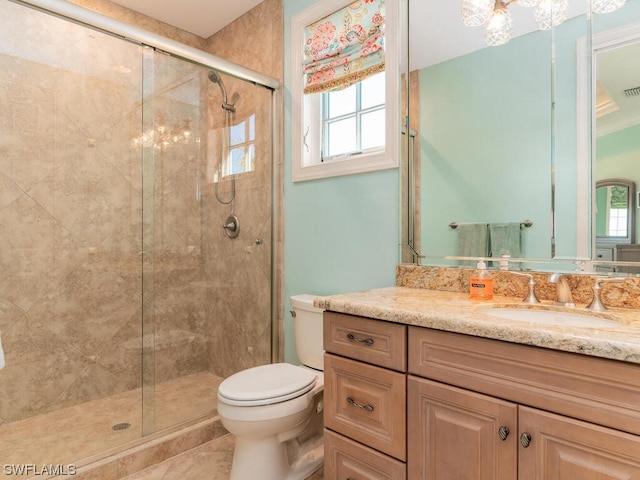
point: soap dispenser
(481, 283)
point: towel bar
(526, 223)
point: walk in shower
(123, 300)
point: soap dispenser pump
(481, 283)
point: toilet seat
(266, 384)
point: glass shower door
(70, 239)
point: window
(349, 130)
(353, 119)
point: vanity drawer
(372, 341)
(345, 458)
(366, 403)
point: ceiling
(200, 17)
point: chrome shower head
(214, 77)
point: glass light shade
(476, 12)
(549, 13)
(528, 3)
(498, 30)
(606, 6)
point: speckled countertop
(455, 312)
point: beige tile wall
(256, 41)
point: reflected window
(617, 211)
(242, 149)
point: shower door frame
(110, 26)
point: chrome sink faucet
(563, 290)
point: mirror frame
(631, 217)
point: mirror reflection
(615, 211)
(497, 136)
(616, 93)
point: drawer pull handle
(353, 403)
(366, 341)
(525, 439)
(503, 432)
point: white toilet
(275, 410)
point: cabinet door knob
(353, 403)
(366, 341)
(525, 439)
(503, 432)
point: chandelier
(163, 136)
(493, 14)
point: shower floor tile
(72, 434)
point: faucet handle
(531, 296)
(596, 304)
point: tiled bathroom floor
(82, 431)
(211, 461)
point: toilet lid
(266, 384)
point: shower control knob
(231, 226)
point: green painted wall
(341, 233)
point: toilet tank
(307, 330)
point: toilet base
(266, 459)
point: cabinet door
(454, 434)
(562, 448)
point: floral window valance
(344, 47)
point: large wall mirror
(499, 138)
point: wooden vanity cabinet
(405, 402)
(365, 398)
(499, 425)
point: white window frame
(306, 117)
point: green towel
(505, 238)
(472, 241)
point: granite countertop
(455, 312)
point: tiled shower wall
(71, 284)
(255, 40)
